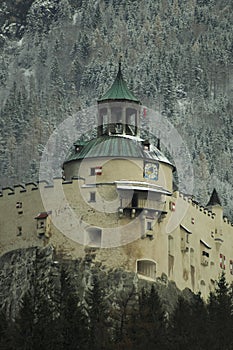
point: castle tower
(119, 110)
(118, 138)
(215, 206)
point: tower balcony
(141, 198)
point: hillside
(59, 56)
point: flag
(172, 206)
(98, 170)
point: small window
(94, 235)
(222, 259)
(205, 254)
(149, 225)
(231, 267)
(19, 205)
(19, 231)
(92, 172)
(146, 268)
(41, 224)
(92, 197)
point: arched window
(116, 120)
(93, 237)
(131, 121)
(146, 268)
(103, 121)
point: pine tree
(150, 329)
(98, 337)
(23, 330)
(180, 328)
(73, 324)
(220, 316)
(4, 332)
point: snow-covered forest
(59, 56)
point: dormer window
(146, 145)
(43, 224)
(79, 145)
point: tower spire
(119, 65)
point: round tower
(118, 153)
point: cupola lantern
(118, 110)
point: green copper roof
(115, 146)
(119, 90)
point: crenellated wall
(174, 244)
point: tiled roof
(42, 215)
(116, 146)
(119, 90)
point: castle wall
(131, 241)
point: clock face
(151, 171)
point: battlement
(34, 186)
(203, 209)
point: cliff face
(60, 56)
(34, 270)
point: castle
(117, 205)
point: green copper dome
(115, 147)
(119, 90)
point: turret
(118, 110)
(215, 206)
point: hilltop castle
(116, 204)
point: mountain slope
(58, 57)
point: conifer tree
(180, 330)
(149, 331)
(23, 330)
(220, 316)
(4, 332)
(73, 324)
(98, 317)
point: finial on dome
(120, 60)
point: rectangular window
(96, 171)
(92, 197)
(92, 172)
(149, 225)
(19, 205)
(205, 254)
(41, 224)
(231, 267)
(19, 231)
(222, 260)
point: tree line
(133, 321)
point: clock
(151, 171)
